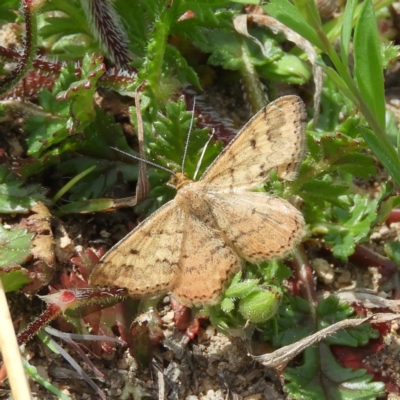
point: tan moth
(194, 244)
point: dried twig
(10, 352)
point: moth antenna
(188, 135)
(202, 155)
(153, 164)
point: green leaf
(255, 2)
(49, 129)
(294, 322)
(168, 146)
(66, 31)
(368, 69)
(45, 132)
(155, 65)
(230, 49)
(272, 272)
(287, 68)
(357, 164)
(322, 377)
(317, 191)
(339, 82)
(99, 181)
(85, 206)
(17, 197)
(200, 34)
(347, 29)
(82, 111)
(352, 227)
(386, 207)
(15, 246)
(385, 152)
(14, 278)
(392, 130)
(390, 53)
(240, 289)
(288, 14)
(309, 11)
(6, 15)
(329, 311)
(54, 25)
(178, 66)
(392, 249)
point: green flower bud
(261, 304)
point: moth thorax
(191, 198)
(179, 180)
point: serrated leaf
(338, 152)
(172, 131)
(15, 246)
(293, 321)
(15, 197)
(226, 48)
(274, 271)
(241, 289)
(49, 129)
(180, 67)
(199, 34)
(353, 226)
(165, 138)
(356, 164)
(322, 377)
(330, 311)
(82, 110)
(45, 132)
(318, 190)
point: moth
(194, 244)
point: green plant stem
(304, 274)
(32, 371)
(251, 82)
(156, 49)
(72, 182)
